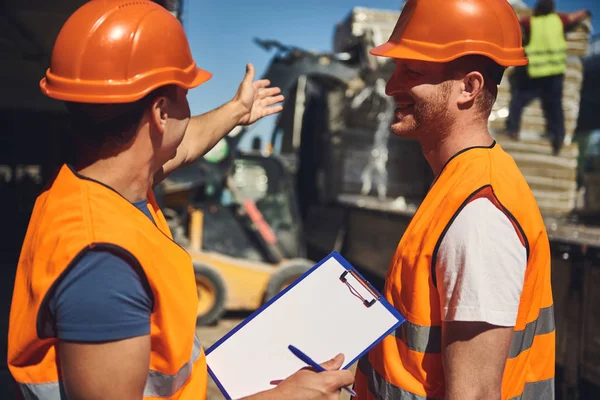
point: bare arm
(474, 355)
(253, 101)
(578, 16)
(118, 370)
(570, 20)
(114, 370)
(203, 132)
(480, 274)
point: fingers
(335, 379)
(262, 83)
(346, 378)
(249, 73)
(269, 101)
(262, 93)
(338, 379)
(335, 363)
(272, 110)
(273, 100)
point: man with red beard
(472, 271)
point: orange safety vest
(75, 215)
(408, 364)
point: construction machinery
(349, 171)
(237, 216)
(256, 243)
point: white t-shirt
(481, 266)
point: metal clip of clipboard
(364, 283)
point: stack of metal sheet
(553, 179)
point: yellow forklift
(236, 214)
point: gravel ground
(210, 334)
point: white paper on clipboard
(320, 314)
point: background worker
(543, 77)
(471, 273)
(104, 305)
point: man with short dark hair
(104, 305)
(471, 273)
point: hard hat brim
(201, 77)
(117, 92)
(406, 51)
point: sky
(220, 33)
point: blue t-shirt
(103, 297)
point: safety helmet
(118, 51)
(444, 30)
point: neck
(127, 173)
(459, 137)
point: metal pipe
(196, 227)
(299, 109)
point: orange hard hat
(118, 51)
(444, 30)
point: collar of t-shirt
(142, 205)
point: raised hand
(257, 98)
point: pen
(313, 364)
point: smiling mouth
(403, 110)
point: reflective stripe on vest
(523, 340)
(424, 339)
(158, 384)
(428, 339)
(547, 48)
(381, 389)
(537, 390)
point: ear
(471, 85)
(159, 113)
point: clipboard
(330, 309)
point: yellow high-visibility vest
(547, 48)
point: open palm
(257, 97)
